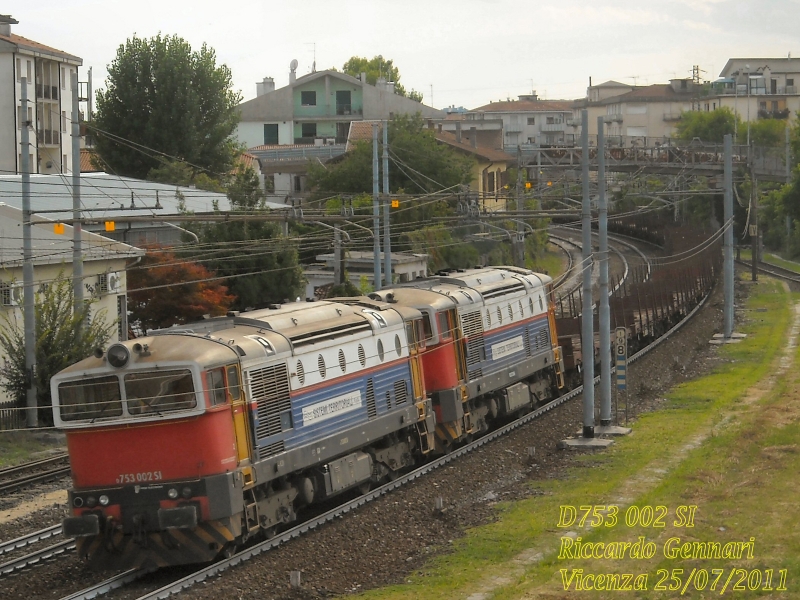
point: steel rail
(290, 534)
(31, 538)
(108, 585)
(35, 558)
(21, 482)
(32, 464)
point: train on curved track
(189, 441)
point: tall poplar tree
(163, 100)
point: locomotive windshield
(145, 393)
(90, 399)
(162, 391)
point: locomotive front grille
(269, 387)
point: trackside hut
(104, 264)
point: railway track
(30, 473)
(775, 271)
(338, 512)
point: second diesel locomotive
(189, 441)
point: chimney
(458, 131)
(6, 21)
(473, 136)
(363, 78)
(440, 128)
(266, 86)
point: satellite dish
(293, 65)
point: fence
(11, 416)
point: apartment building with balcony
(759, 87)
(48, 74)
(310, 118)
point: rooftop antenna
(314, 54)
(635, 79)
(431, 94)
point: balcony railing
(672, 116)
(46, 92)
(48, 137)
(553, 126)
(347, 109)
(613, 117)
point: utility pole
(387, 242)
(587, 324)
(727, 238)
(520, 230)
(376, 211)
(29, 318)
(604, 309)
(77, 252)
(753, 218)
(338, 278)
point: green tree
(766, 132)
(418, 163)
(63, 337)
(262, 264)
(376, 67)
(708, 126)
(164, 100)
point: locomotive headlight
(118, 355)
(172, 493)
(103, 500)
(91, 501)
(77, 502)
(186, 492)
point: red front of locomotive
(154, 456)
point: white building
(49, 74)
(405, 267)
(104, 267)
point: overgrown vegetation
(63, 337)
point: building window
(63, 78)
(309, 130)
(308, 98)
(29, 73)
(64, 163)
(789, 82)
(270, 134)
(19, 69)
(490, 183)
(64, 120)
(531, 120)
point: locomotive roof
(459, 287)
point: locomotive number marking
(139, 477)
(343, 441)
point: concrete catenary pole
(376, 210)
(29, 318)
(727, 237)
(587, 326)
(387, 242)
(520, 226)
(605, 317)
(77, 251)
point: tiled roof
(86, 162)
(362, 131)
(489, 154)
(248, 160)
(22, 42)
(526, 106)
(657, 91)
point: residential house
(759, 87)
(104, 264)
(405, 267)
(526, 121)
(310, 119)
(48, 75)
(638, 114)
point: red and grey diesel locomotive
(187, 442)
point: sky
(464, 53)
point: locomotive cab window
(158, 392)
(216, 387)
(426, 327)
(444, 327)
(94, 398)
(234, 390)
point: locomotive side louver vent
(362, 356)
(472, 326)
(527, 341)
(400, 392)
(269, 388)
(541, 341)
(371, 410)
(503, 290)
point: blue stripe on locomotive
(383, 380)
(531, 328)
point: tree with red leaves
(161, 292)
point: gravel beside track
(384, 541)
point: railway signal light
(58, 228)
(395, 203)
(110, 226)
